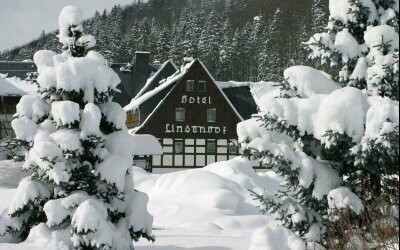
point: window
(211, 115)
(190, 86)
(202, 86)
(178, 147)
(232, 149)
(180, 115)
(210, 147)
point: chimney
(141, 69)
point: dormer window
(190, 85)
(202, 86)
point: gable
(161, 123)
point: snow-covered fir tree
(334, 147)
(335, 144)
(81, 189)
(362, 42)
(319, 14)
(270, 61)
(163, 46)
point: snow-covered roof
(14, 87)
(153, 77)
(163, 84)
(146, 145)
(8, 89)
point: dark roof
(18, 69)
(242, 100)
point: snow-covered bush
(80, 185)
(361, 41)
(334, 147)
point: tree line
(236, 39)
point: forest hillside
(237, 39)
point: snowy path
(180, 240)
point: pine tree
(224, 69)
(362, 169)
(114, 24)
(81, 183)
(270, 60)
(347, 47)
(320, 14)
(163, 46)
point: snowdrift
(212, 200)
(216, 197)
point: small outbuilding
(144, 148)
(11, 92)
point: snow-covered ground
(209, 208)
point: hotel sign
(174, 129)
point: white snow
(44, 152)
(250, 129)
(347, 45)
(135, 103)
(24, 128)
(8, 89)
(339, 10)
(67, 140)
(113, 170)
(163, 84)
(360, 71)
(64, 72)
(44, 59)
(88, 216)
(10, 174)
(323, 38)
(213, 198)
(114, 114)
(310, 169)
(381, 34)
(28, 190)
(151, 79)
(90, 122)
(47, 78)
(341, 111)
(382, 110)
(55, 212)
(309, 81)
(33, 107)
(65, 112)
(274, 237)
(87, 40)
(126, 145)
(342, 197)
(208, 208)
(74, 199)
(69, 16)
(137, 207)
(145, 145)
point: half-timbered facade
(194, 119)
